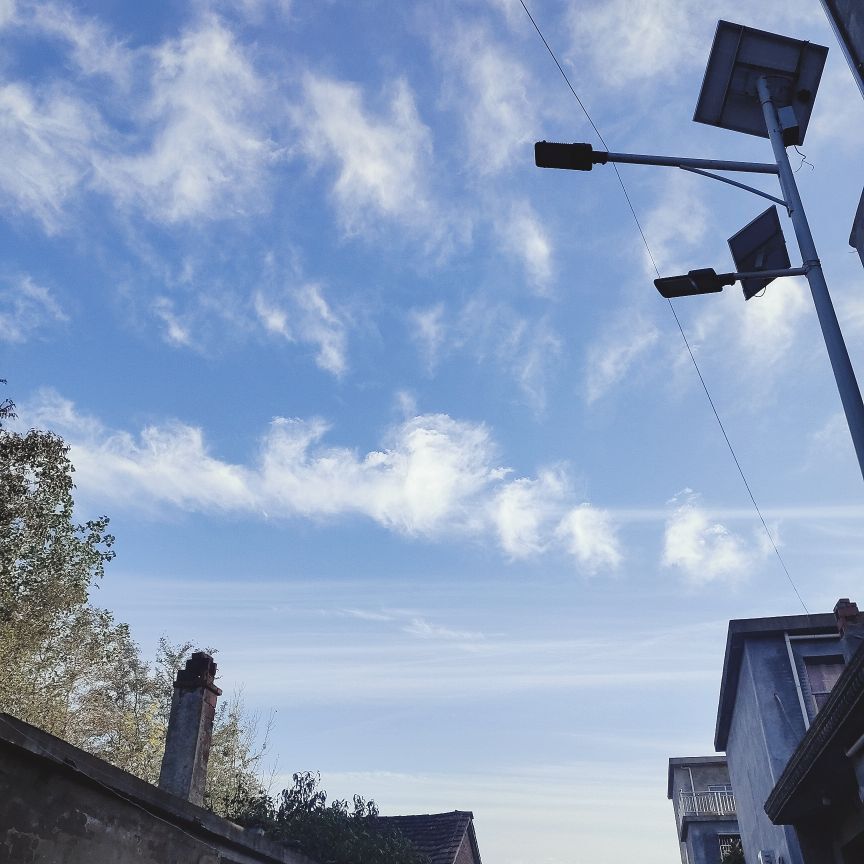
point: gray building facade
(777, 674)
(704, 805)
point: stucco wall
(766, 726)
(702, 843)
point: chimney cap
(200, 671)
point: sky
(397, 421)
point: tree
(54, 649)
(334, 834)
(67, 666)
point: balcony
(707, 803)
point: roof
(438, 835)
(742, 629)
(684, 761)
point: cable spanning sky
(396, 420)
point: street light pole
(844, 374)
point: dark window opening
(822, 675)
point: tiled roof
(437, 835)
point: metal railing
(705, 803)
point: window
(822, 675)
(719, 787)
(730, 844)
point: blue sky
(396, 420)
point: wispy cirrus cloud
(26, 309)
(524, 237)
(527, 349)
(492, 92)
(647, 40)
(382, 158)
(192, 141)
(202, 149)
(47, 146)
(434, 477)
(92, 47)
(302, 314)
(623, 345)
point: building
(704, 806)
(820, 792)
(446, 838)
(785, 694)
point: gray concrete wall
(703, 844)
(704, 775)
(766, 726)
(60, 805)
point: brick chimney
(850, 624)
(190, 728)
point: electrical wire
(672, 309)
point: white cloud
(523, 235)
(630, 41)
(829, 441)
(421, 628)
(523, 510)
(209, 153)
(614, 354)
(705, 551)
(435, 477)
(194, 143)
(763, 329)
(7, 12)
(528, 349)
(589, 535)
(47, 141)
(493, 94)
(92, 47)
(176, 332)
(26, 308)
(382, 159)
(677, 224)
(303, 315)
(429, 332)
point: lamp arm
(752, 189)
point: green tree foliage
(331, 834)
(67, 666)
(55, 650)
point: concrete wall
(698, 834)
(705, 774)
(767, 724)
(60, 805)
(703, 844)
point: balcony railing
(705, 804)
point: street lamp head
(704, 281)
(575, 157)
(739, 57)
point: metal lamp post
(761, 84)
